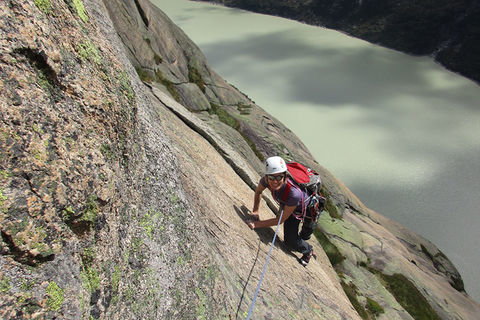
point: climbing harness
(304, 179)
(267, 260)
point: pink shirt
(293, 198)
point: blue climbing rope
(252, 305)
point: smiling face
(275, 181)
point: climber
(291, 200)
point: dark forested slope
(448, 30)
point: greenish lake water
(400, 131)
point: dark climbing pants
(295, 240)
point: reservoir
(401, 132)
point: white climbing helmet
(275, 165)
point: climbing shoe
(305, 259)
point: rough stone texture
(271, 137)
(192, 97)
(117, 202)
(391, 255)
(94, 221)
(448, 30)
(179, 56)
(221, 197)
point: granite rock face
(447, 30)
(94, 220)
(126, 172)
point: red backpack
(306, 178)
(309, 181)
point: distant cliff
(449, 31)
(127, 168)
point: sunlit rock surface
(127, 169)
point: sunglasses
(275, 178)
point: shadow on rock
(265, 234)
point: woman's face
(275, 181)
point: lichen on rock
(126, 199)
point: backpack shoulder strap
(286, 191)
